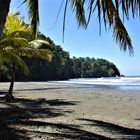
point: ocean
(123, 83)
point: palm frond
(130, 6)
(41, 53)
(120, 33)
(122, 36)
(18, 46)
(22, 47)
(64, 18)
(21, 34)
(14, 23)
(14, 42)
(90, 7)
(33, 15)
(78, 7)
(38, 42)
(108, 12)
(15, 60)
(14, 14)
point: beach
(53, 110)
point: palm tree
(33, 13)
(108, 11)
(17, 41)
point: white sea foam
(121, 82)
(106, 81)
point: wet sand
(51, 110)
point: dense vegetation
(61, 67)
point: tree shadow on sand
(122, 133)
(20, 120)
(22, 110)
(63, 131)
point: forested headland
(62, 67)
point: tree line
(61, 67)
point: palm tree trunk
(4, 9)
(12, 82)
(9, 96)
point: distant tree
(90, 68)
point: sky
(86, 43)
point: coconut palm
(17, 42)
(108, 11)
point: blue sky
(82, 43)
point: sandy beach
(58, 111)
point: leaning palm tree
(16, 42)
(109, 11)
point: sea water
(125, 83)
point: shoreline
(47, 84)
(105, 112)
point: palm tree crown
(17, 41)
(109, 11)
